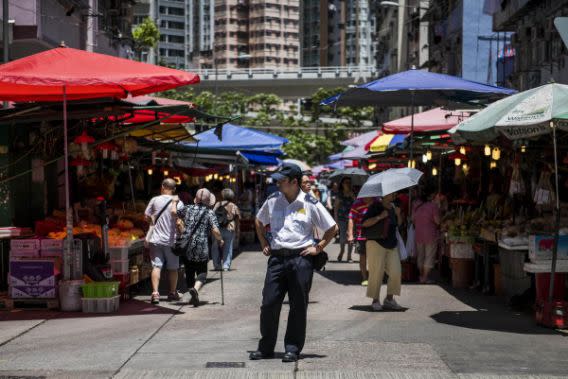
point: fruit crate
(96, 290)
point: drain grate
(225, 365)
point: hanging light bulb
(434, 171)
(496, 154)
(216, 176)
(465, 168)
(493, 165)
(487, 150)
(150, 171)
(523, 149)
(166, 172)
(458, 161)
(424, 158)
(462, 150)
(429, 155)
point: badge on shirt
(302, 211)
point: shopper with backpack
(228, 216)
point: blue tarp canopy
(236, 137)
(261, 158)
(418, 87)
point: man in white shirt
(292, 215)
(162, 212)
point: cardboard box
(36, 273)
(51, 244)
(33, 292)
(20, 245)
(540, 247)
(17, 254)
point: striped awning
(383, 141)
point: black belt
(286, 252)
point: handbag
(319, 261)
(181, 245)
(378, 231)
(151, 227)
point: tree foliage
(311, 145)
(145, 35)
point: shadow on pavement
(127, 308)
(492, 313)
(368, 308)
(346, 278)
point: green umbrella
(525, 115)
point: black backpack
(222, 215)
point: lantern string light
(487, 150)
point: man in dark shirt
(382, 253)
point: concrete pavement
(444, 333)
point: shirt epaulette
(274, 195)
(311, 199)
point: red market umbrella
(63, 74)
(86, 75)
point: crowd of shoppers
(367, 226)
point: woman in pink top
(426, 219)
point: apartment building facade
(102, 26)
(539, 53)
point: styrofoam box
(118, 253)
(51, 244)
(101, 305)
(25, 245)
(461, 250)
(119, 267)
(540, 247)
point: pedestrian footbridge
(286, 83)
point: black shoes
(290, 357)
(256, 355)
(194, 297)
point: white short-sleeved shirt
(165, 229)
(292, 224)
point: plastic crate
(101, 305)
(120, 267)
(98, 290)
(118, 253)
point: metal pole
(6, 32)
(411, 149)
(68, 211)
(557, 226)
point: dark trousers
(193, 271)
(292, 275)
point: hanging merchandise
(84, 140)
(108, 150)
(517, 184)
(544, 194)
(80, 163)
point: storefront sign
(524, 131)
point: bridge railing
(285, 73)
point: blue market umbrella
(234, 137)
(418, 88)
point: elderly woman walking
(200, 222)
(228, 215)
(380, 224)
